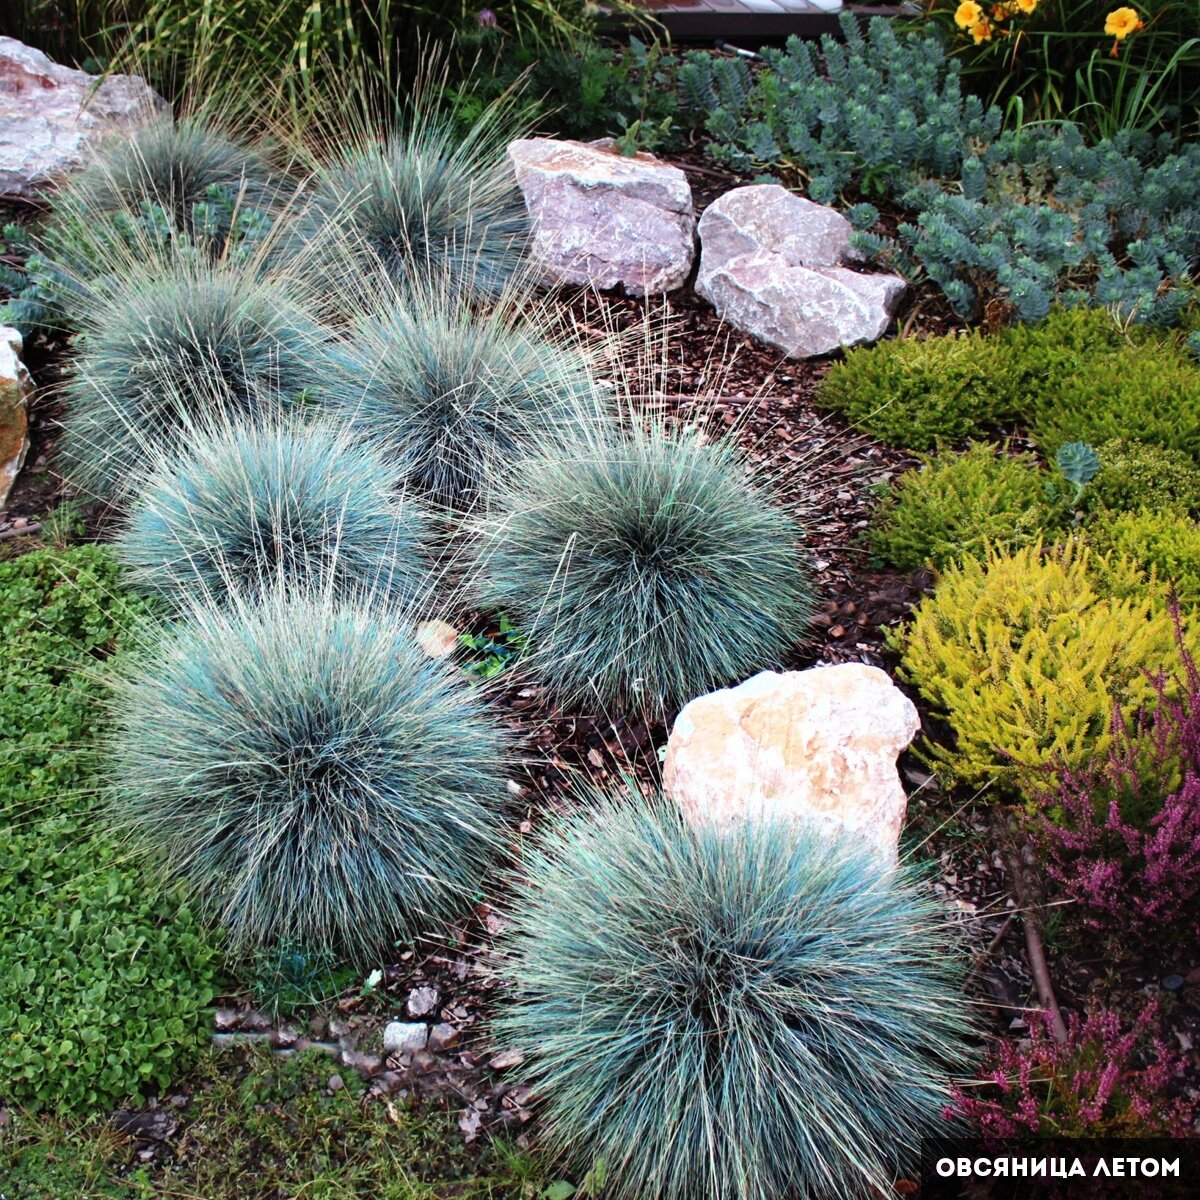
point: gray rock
(601, 219)
(52, 117)
(422, 1001)
(336, 1083)
(771, 265)
(400, 1037)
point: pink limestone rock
(601, 219)
(805, 746)
(52, 117)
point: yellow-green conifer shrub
(959, 504)
(1166, 542)
(1026, 652)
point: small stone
(1173, 982)
(422, 1063)
(402, 1038)
(225, 1019)
(443, 1037)
(364, 1064)
(603, 219)
(1193, 976)
(387, 1083)
(155, 1125)
(422, 1001)
(506, 1059)
(817, 746)
(438, 639)
(336, 1083)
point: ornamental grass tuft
(644, 567)
(175, 165)
(420, 200)
(453, 397)
(307, 773)
(176, 345)
(728, 1015)
(278, 502)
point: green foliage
(174, 346)
(878, 113)
(1078, 464)
(1167, 543)
(490, 653)
(918, 393)
(259, 1126)
(450, 396)
(1133, 475)
(700, 1008)
(277, 502)
(104, 982)
(1055, 62)
(1026, 654)
(308, 772)
(962, 504)
(297, 58)
(1144, 392)
(1024, 216)
(585, 90)
(1073, 377)
(645, 568)
(1043, 215)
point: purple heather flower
(486, 18)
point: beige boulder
(804, 746)
(15, 386)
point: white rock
(601, 219)
(15, 387)
(771, 263)
(805, 746)
(401, 1037)
(767, 217)
(52, 117)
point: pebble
(400, 1037)
(422, 1001)
(443, 1037)
(1173, 982)
(336, 1083)
(506, 1059)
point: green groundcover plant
(104, 979)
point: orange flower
(1027, 6)
(981, 31)
(967, 14)
(1121, 22)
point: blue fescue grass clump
(453, 396)
(645, 567)
(307, 773)
(421, 200)
(728, 1015)
(172, 188)
(175, 344)
(275, 502)
(174, 165)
